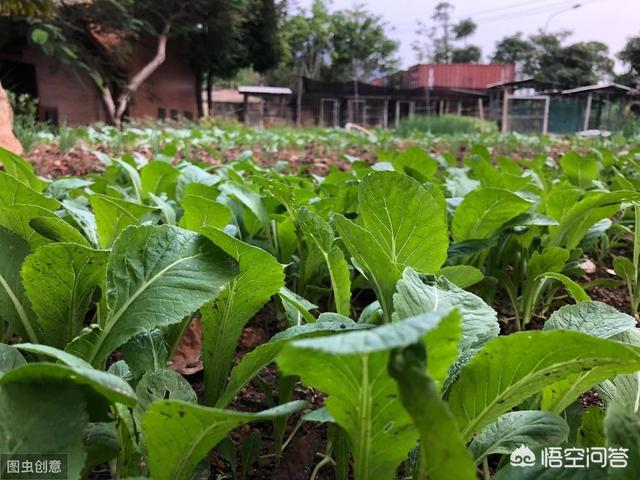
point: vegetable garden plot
(388, 287)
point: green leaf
(484, 211)
(299, 305)
(443, 453)
(260, 277)
(180, 434)
(551, 259)
(10, 358)
(57, 230)
(146, 352)
(134, 176)
(510, 369)
(85, 219)
(14, 305)
(21, 169)
(531, 428)
(61, 280)
(624, 268)
(405, 220)
(322, 236)
(414, 161)
(17, 218)
(13, 191)
(102, 384)
(161, 384)
(416, 295)
(159, 177)
(257, 359)
(581, 170)
(574, 289)
(593, 318)
(581, 215)
(44, 418)
(251, 200)
(462, 276)
(351, 369)
(156, 276)
(371, 260)
(201, 212)
(622, 428)
(114, 215)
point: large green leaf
(581, 215)
(37, 418)
(113, 215)
(85, 219)
(10, 358)
(159, 177)
(351, 369)
(58, 230)
(18, 218)
(510, 369)
(13, 191)
(443, 453)
(593, 318)
(14, 305)
(20, 169)
(156, 276)
(484, 211)
(370, 258)
(416, 294)
(60, 280)
(109, 386)
(253, 362)
(529, 427)
(581, 171)
(260, 277)
(321, 234)
(180, 434)
(202, 212)
(405, 220)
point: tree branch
(144, 73)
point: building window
(162, 113)
(174, 114)
(50, 115)
(188, 115)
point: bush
(446, 124)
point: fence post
(587, 112)
(505, 111)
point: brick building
(68, 96)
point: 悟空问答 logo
(522, 457)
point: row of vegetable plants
(384, 278)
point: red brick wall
(69, 91)
(78, 101)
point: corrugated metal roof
(265, 90)
(591, 88)
(228, 95)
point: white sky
(608, 21)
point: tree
(233, 36)
(630, 56)
(338, 46)
(437, 42)
(516, 50)
(102, 37)
(360, 46)
(544, 57)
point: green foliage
(443, 125)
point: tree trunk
(209, 93)
(116, 107)
(199, 81)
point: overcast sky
(609, 21)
